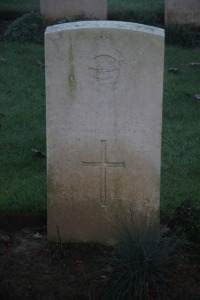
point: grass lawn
(181, 126)
(23, 175)
(22, 99)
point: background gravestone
(183, 12)
(52, 10)
(104, 113)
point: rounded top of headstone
(106, 25)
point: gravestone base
(107, 224)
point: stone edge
(106, 25)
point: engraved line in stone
(103, 164)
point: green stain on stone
(71, 72)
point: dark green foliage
(185, 36)
(186, 220)
(180, 130)
(12, 9)
(150, 12)
(10, 15)
(138, 264)
(73, 19)
(152, 18)
(28, 28)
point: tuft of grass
(138, 264)
(22, 100)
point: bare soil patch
(33, 268)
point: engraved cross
(103, 165)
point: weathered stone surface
(52, 10)
(182, 12)
(104, 113)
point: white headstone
(182, 12)
(104, 85)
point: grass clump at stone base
(22, 102)
(137, 267)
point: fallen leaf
(194, 64)
(38, 153)
(25, 230)
(66, 253)
(165, 230)
(47, 251)
(46, 272)
(2, 60)
(7, 245)
(4, 238)
(40, 63)
(174, 70)
(78, 261)
(197, 96)
(29, 287)
(37, 236)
